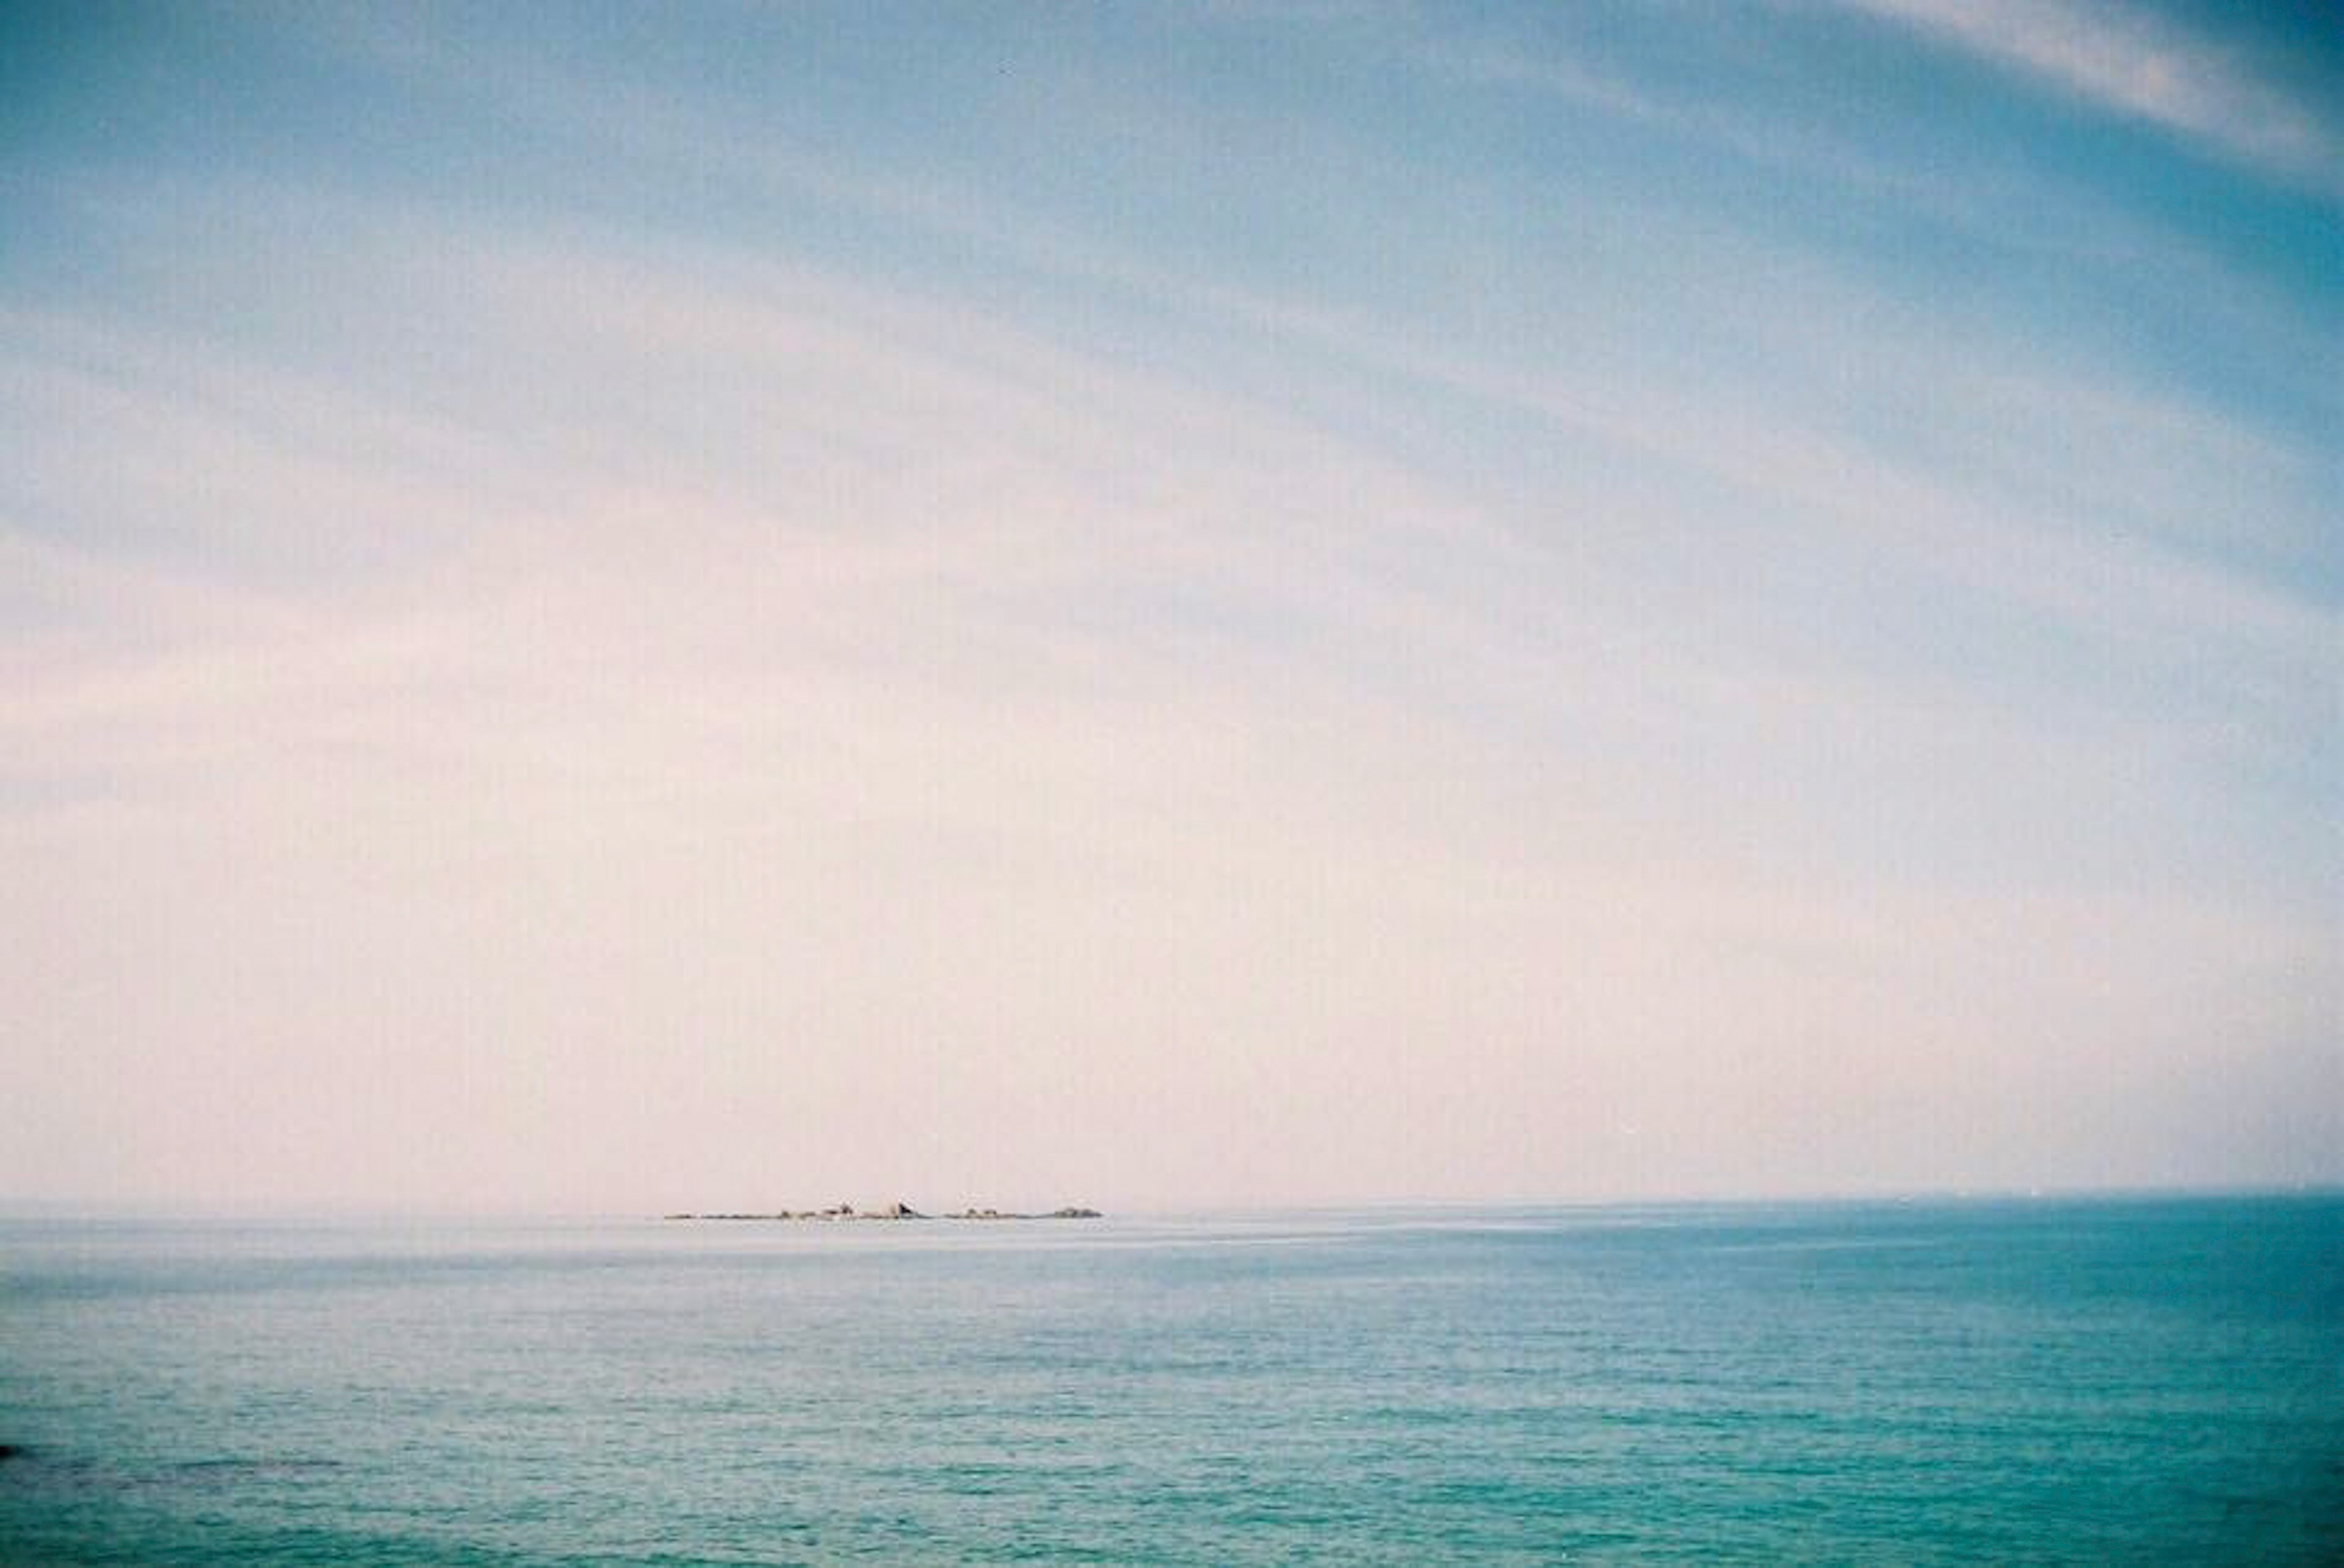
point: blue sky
(635, 607)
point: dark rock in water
(1072, 1213)
(10, 1450)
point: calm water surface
(2128, 1381)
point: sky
(611, 608)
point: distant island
(893, 1211)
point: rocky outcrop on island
(896, 1210)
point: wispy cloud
(2128, 61)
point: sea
(2130, 1380)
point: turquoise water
(2050, 1382)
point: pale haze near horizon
(710, 608)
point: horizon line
(140, 1211)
